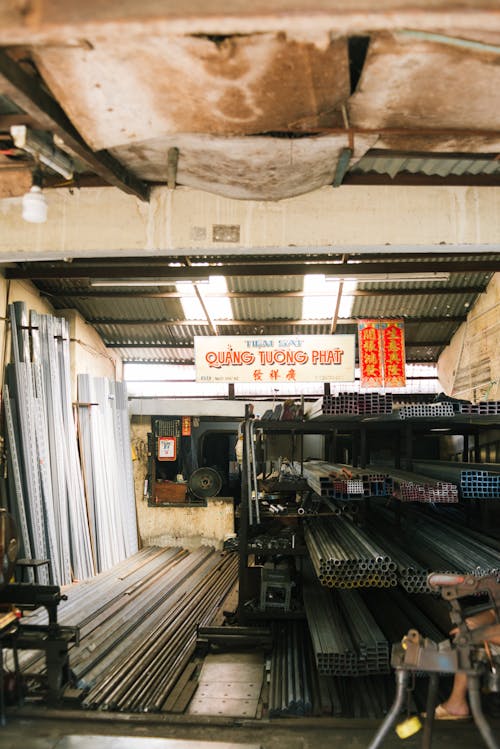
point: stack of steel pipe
(480, 485)
(353, 404)
(442, 547)
(427, 410)
(411, 575)
(292, 671)
(451, 470)
(344, 556)
(408, 486)
(343, 482)
(346, 638)
(483, 408)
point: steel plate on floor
(230, 685)
(139, 742)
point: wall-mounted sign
(382, 353)
(167, 448)
(186, 426)
(278, 359)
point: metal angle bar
(39, 271)
(138, 293)
(26, 93)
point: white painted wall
(99, 222)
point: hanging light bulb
(34, 203)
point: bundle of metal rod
(484, 408)
(95, 602)
(480, 485)
(292, 671)
(143, 674)
(440, 546)
(138, 624)
(349, 404)
(346, 638)
(45, 479)
(102, 416)
(426, 410)
(344, 556)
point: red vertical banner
(370, 353)
(393, 346)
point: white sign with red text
(300, 358)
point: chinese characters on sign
(327, 358)
(382, 353)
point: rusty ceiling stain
(137, 90)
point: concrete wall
(95, 222)
(470, 366)
(189, 527)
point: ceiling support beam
(268, 323)
(167, 346)
(132, 293)
(29, 96)
(123, 270)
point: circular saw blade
(205, 482)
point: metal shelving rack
(400, 434)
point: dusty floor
(88, 733)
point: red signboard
(393, 346)
(382, 353)
(370, 354)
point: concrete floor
(89, 732)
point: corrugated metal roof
(155, 354)
(439, 165)
(130, 308)
(159, 335)
(425, 305)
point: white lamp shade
(35, 206)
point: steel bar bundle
(352, 404)
(47, 496)
(293, 670)
(346, 638)
(138, 624)
(480, 485)
(106, 458)
(344, 556)
(440, 546)
(483, 408)
(427, 410)
(408, 486)
(141, 679)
